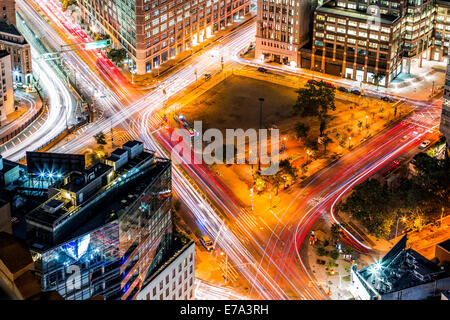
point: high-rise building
(442, 31)
(175, 279)
(402, 274)
(104, 229)
(12, 41)
(445, 114)
(283, 26)
(348, 43)
(6, 85)
(8, 11)
(153, 31)
(364, 40)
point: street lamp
(308, 152)
(261, 100)
(396, 229)
(367, 117)
(349, 140)
(251, 197)
(226, 266)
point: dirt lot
(234, 104)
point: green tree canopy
(301, 130)
(100, 138)
(315, 100)
(117, 55)
(369, 204)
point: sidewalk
(430, 75)
(146, 81)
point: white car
(424, 144)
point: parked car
(356, 91)
(387, 99)
(343, 89)
(424, 144)
(261, 69)
(207, 76)
(329, 85)
(207, 243)
(314, 82)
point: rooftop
(107, 203)
(9, 33)
(445, 245)
(330, 7)
(400, 268)
(77, 181)
(131, 143)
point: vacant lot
(234, 104)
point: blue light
(77, 248)
(41, 174)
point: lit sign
(96, 45)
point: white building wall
(6, 87)
(175, 281)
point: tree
(100, 138)
(334, 254)
(336, 231)
(321, 252)
(275, 181)
(377, 78)
(315, 100)
(287, 168)
(331, 263)
(117, 55)
(360, 125)
(369, 204)
(326, 140)
(67, 3)
(323, 124)
(301, 130)
(177, 205)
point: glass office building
(104, 231)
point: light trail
(201, 190)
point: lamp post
(251, 197)
(367, 117)
(396, 229)
(307, 155)
(226, 266)
(349, 140)
(132, 75)
(261, 100)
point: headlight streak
(203, 212)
